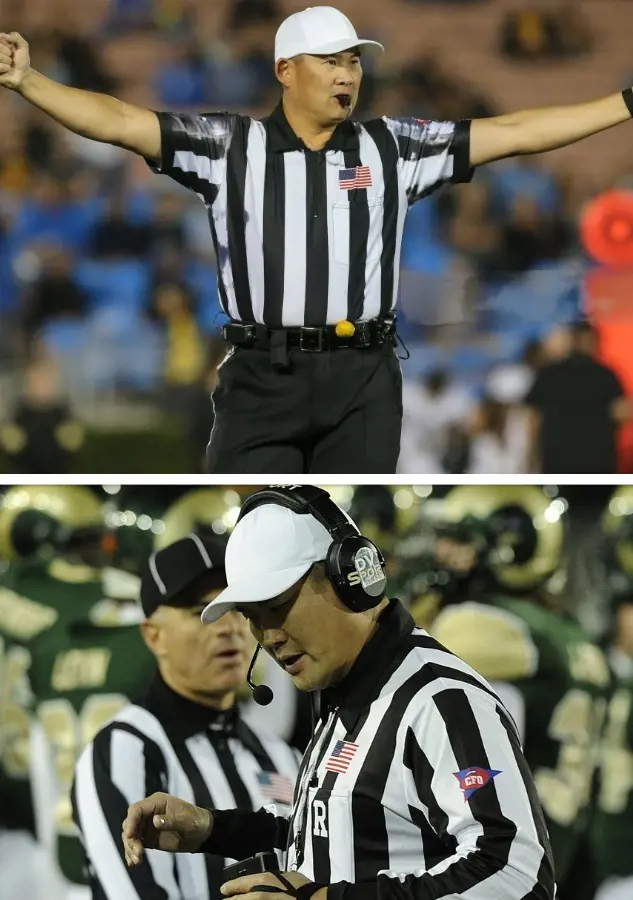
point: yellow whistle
(345, 329)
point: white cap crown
(317, 29)
(269, 550)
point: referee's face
(206, 663)
(324, 87)
(309, 632)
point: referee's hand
(164, 822)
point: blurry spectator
(576, 404)
(510, 382)
(499, 430)
(185, 347)
(524, 177)
(50, 215)
(243, 75)
(536, 33)
(470, 228)
(39, 139)
(498, 439)
(181, 79)
(530, 237)
(127, 14)
(557, 344)
(115, 235)
(83, 64)
(573, 31)
(55, 294)
(41, 436)
(167, 233)
(433, 411)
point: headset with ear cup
(354, 564)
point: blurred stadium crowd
(532, 586)
(108, 303)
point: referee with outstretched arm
(414, 786)
(306, 210)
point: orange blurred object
(606, 228)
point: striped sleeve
(121, 766)
(430, 154)
(466, 775)
(194, 150)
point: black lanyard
(309, 780)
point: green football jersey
(612, 826)
(564, 681)
(72, 658)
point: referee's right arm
(119, 766)
(92, 115)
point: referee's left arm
(539, 130)
(465, 773)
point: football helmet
(49, 518)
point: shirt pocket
(347, 216)
(329, 835)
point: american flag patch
(341, 756)
(276, 787)
(350, 179)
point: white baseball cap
(269, 550)
(317, 29)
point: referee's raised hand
(166, 823)
(15, 59)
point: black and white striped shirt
(168, 743)
(295, 245)
(414, 786)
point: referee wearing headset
(306, 210)
(414, 785)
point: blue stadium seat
(121, 283)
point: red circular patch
(606, 228)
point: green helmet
(148, 519)
(519, 527)
(48, 518)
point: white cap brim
(262, 587)
(332, 47)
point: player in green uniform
(612, 829)
(73, 657)
(496, 548)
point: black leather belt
(374, 333)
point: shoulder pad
(497, 644)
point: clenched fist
(164, 822)
(15, 61)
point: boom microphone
(262, 694)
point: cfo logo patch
(470, 780)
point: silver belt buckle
(311, 339)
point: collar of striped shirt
(180, 717)
(372, 668)
(282, 139)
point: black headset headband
(305, 500)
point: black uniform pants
(328, 413)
